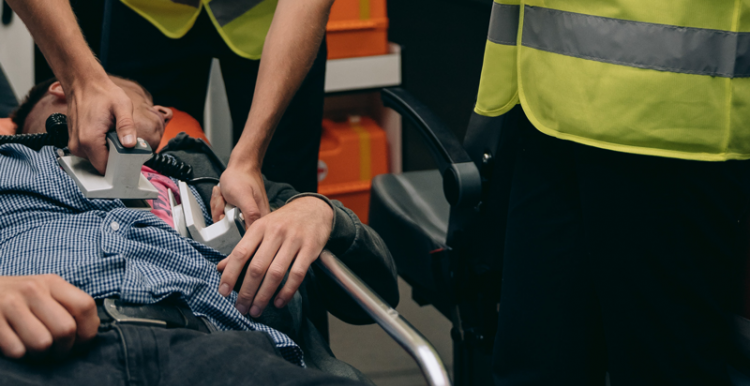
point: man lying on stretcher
(59, 251)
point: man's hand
(243, 188)
(95, 104)
(93, 109)
(43, 313)
(295, 233)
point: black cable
(57, 136)
(170, 166)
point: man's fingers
(217, 204)
(124, 123)
(80, 306)
(10, 344)
(222, 264)
(256, 270)
(235, 262)
(32, 332)
(95, 150)
(73, 144)
(58, 322)
(297, 274)
(274, 275)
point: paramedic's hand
(242, 186)
(93, 109)
(43, 313)
(294, 235)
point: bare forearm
(55, 29)
(290, 49)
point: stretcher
(123, 180)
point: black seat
(412, 217)
(445, 227)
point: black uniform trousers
(621, 263)
(176, 72)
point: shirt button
(115, 226)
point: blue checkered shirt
(105, 249)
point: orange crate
(351, 154)
(357, 28)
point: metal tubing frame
(388, 318)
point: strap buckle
(111, 309)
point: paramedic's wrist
(245, 159)
(83, 75)
(243, 165)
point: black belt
(166, 314)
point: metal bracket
(110, 307)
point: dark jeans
(137, 355)
(620, 263)
(176, 72)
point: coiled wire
(57, 135)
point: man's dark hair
(19, 115)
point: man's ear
(56, 90)
(165, 112)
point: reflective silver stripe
(192, 3)
(504, 24)
(225, 11)
(638, 44)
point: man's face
(149, 119)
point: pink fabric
(160, 205)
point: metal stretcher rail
(389, 320)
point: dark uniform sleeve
(357, 246)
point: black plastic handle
(443, 143)
(462, 183)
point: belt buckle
(111, 309)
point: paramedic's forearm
(55, 29)
(290, 49)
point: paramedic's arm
(44, 313)
(95, 104)
(291, 47)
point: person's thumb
(124, 123)
(250, 211)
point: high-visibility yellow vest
(243, 24)
(663, 78)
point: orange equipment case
(351, 154)
(357, 28)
